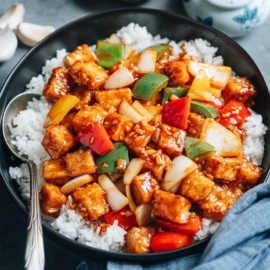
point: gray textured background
(57, 13)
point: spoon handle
(34, 253)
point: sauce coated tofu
(223, 168)
(117, 126)
(177, 72)
(196, 186)
(51, 200)
(240, 89)
(83, 94)
(82, 53)
(60, 83)
(108, 99)
(170, 206)
(138, 239)
(219, 201)
(88, 74)
(88, 115)
(171, 140)
(143, 187)
(68, 121)
(58, 140)
(80, 162)
(91, 200)
(249, 172)
(54, 171)
(195, 125)
(139, 136)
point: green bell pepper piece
(161, 49)
(114, 161)
(168, 91)
(149, 85)
(197, 148)
(206, 110)
(109, 53)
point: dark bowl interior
(99, 26)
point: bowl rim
(51, 233)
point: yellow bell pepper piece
(59, 110)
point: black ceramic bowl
(99, 26)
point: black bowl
(99, 26)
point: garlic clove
(8, 44)
(30, 34)
(12, 17)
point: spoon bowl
(34, 253)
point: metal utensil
(34, 253)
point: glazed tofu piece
(225, 169)
(60, 83)
(139, 136)
(83, 94)
(67, 121)
(54, 171)
(155, 161)
(91, 201)
(80, 162)
(170, 206)
(171, 140)
(219, 201)
(249, 172)
(143, 187)
(108, 99)
(138, 239)
(88, 115)
(240, 89)
(195, 125)
(178, 73)
(51, 200)
(82, 53)
(88, 74)
(196, 186)
(117, 126)
(58, 140)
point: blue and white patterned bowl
(234, 18)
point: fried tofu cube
(92, 200)
(83, 53)
(80, 162)
(219, 201)
(60, 83)
(249, 172)
(178, 73)
(88, 115)
(58, 140)
(170, 206)
(138, 239)
(240, 89)
(171, 140)
(196, 186)
(195, 125)
(67, 121)
(108, 99)
(225, 169)
(51, 200)
(155, 161)
(83, 94)
(143, 187)
(54, 171)
(88, 74)
(117, 126)
(139, 136)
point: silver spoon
(34, 253)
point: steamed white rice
(28, 133)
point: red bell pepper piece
(175, 113)
(234, 113)
(126, 218)
(167, 241)
(96, 138)
(193, 225)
